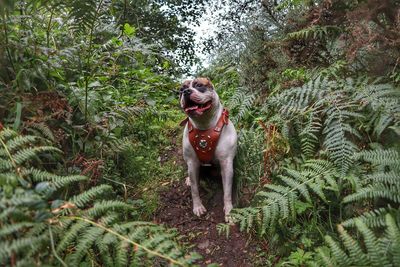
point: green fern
(372, 251)
(315, 31)
(383, 100)
(249, 158)
(90, 195)
(83, 15)
(384, 182)
(374, 218)
(31, 220)
(278, 201)
(240, 104)
(309, 135)
(42, 130)
(327, 106)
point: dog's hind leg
(227, 177)
(193, 168)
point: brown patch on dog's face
(202, 82)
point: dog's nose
(187, 91)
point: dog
(209, 138)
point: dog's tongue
(191, 108)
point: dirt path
(175, 211)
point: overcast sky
(203, 31)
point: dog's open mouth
(192, 106)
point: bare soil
(175, 210)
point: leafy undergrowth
(90, 138)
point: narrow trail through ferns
(206, 235)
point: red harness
(204, 142)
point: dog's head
(198, 97)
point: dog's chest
(204, 142)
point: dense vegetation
(89, 115)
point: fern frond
(57, 180)
(297, 100)
(384, 102)
(380, 183)
(374, 218)
(20, 245)
(372, 245)
(19, 142)
(315, 31)
(86, 241)
(120, 145)
(326, 260)
(352, 246)
(12, 228)
(104, 250)
(278, 200)
(372, 250)
(26, 154)
(104, 206)
(388, 192)
(122, 257)
(387, 157)
(131, 113)
(41, 130)
(309, 134)
(338, 254)
(70, 235)
(83, 15)
(153, 240)
(340, 149)
(88, 196)
(391, 177)
(393, 235)
(246, 217)
(240, 103)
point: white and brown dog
(209, 138)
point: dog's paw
(187, 181)
(227, 211)
(229, 219)
(199, 210)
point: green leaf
(129, 30)
(94, 84)
(17, 121)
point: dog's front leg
(227, 176)
(194, 168)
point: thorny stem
(136, 245)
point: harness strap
(204, 142)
